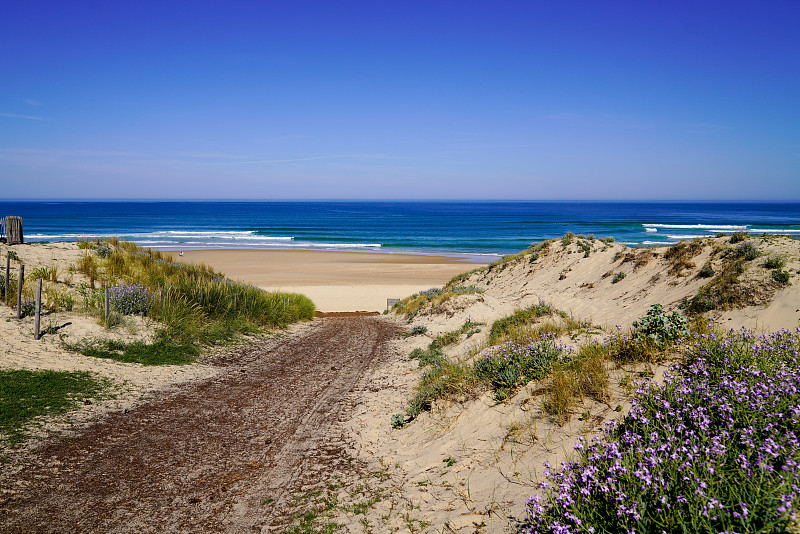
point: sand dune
(464, 466)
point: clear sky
(400, 99)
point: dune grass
(26, 395)
(196, 305)
(434, 298)
(521, 350)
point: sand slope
(465, 466)
(469, 467)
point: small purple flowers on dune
(715, 449)
(511, 364)
(130, 299)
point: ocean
(430, 227)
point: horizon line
(243, 200)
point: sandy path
(223, 455)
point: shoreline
(463, 257)
(336, 281)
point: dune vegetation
(194, 304)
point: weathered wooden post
(20, 281)
(14, 230)
(105, 302)
(8, 276)
(37, 322)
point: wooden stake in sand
(8, 276)
(105, 302)
(20, 281)
(36, 323)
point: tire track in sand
(224, 455)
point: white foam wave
(774, 231)
(167, 236)
(650, 229)
(670, 236)
(714, 227)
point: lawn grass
(26, 395)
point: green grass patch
(505, 327)
(26, 395)
(161, 352)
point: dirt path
(221, 456)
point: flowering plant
(130, 299)
(715, 449)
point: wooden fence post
(8, 277)
(105, 302)
(37, 322)
(20, 281)
(14, 230)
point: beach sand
(335, 281)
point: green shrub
(40, 273)
(660, 328)
(774, 262)
(416, 331)
(28, 308)
(780, 276)
(747, 251)
(441, 380)
(738, 237)
(707, 271)
(617, 277)
(712, 449)
(130, 299)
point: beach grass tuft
(196, 305)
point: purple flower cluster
(130, 299)
(528, 361)
(715, 449)
(430, 293)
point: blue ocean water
(431, 227)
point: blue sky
(380, 99)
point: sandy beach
(335, 281)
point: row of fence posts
(20, 282)
(38, 303)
